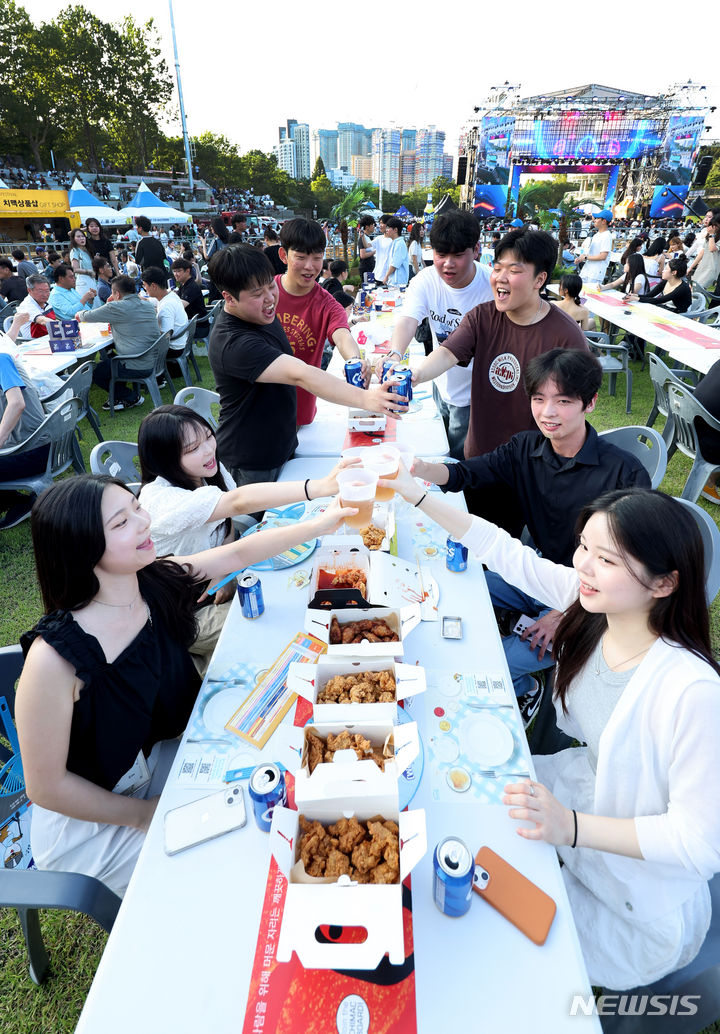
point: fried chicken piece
(367, 855)
(386, 681)
(385, 873)
(315, 846)
(378, 758)
(315, 751)
(359, 877)
(372, 536)
(337, 863)
(335, 634)
(349, 833)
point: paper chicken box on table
(309, 680)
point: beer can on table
(386, 368)
(404, 386)
(453, 871)
(362, 296)
(267, 792)
(251, 598)
(354, 373)
(457, 555)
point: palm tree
(348, 211)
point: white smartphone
(203, 820)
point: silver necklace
(617, 664)
(120, 606)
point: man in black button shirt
(554, 472)
(190, 294)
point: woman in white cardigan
(634, 813)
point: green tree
(347, 212)
(326, 196)
(319, 169)
(441, 185)
(712, 183)
(218, 160)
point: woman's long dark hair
(415, 233)
(572, 283)
(636, 268)
(161, 441)
(69, 541)
(221, 230)
(661, 534)
(632, 247)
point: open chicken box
(401, 621)
(309, 680)
(318, 902)
(364, 420)
(375, 578)
(346, 773)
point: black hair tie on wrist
(574, 843)
(307, 482)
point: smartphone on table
(205, 819)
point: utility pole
(186, 140)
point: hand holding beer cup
(404, 484)
(331, 519)
(383, 459)
(356, 489)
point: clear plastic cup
(357, 452)
(383, 459)
(356, 488)
(407, 456)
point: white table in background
(660, 327)
(37, 355)
(180, 956)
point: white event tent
(148, 204)
(87, 206)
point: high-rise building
(429, 149)
(361, 168)
(301, 136)
(407, 170)
(353, 139)
(285, 154)
(447, 166)
(409, 139)
(386, 145)
(324, 144)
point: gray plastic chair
(686, 410)
(118, 459)
(199, 400)
(698, 303)
(58, 428)
(645, 444)
(700, 978)
(183, 355)
(711, 541)
(157, 356)
(28, 890)
(660, 375)
(708, 316)
(79, 382)
(8, 311)
(614, 359)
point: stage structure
(630, 145)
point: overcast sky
(247, 68)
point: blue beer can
(354, 373)
(457, 555)
(362, 297)
(404, 386)
(249, 591)
(267, 791)
(386, 368)
(453, 872)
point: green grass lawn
(74, 942)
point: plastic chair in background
(79, 383)
(28, 890)
(156, 355)
(660, 375)
(184, 355)
(686, 410)
(200, 401)
(645, 444)
(711, 541)
(118, 459)
(614, 359)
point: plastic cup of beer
(383, 459)
(356, 488)
(407, 457)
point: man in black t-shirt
(149, 250)
(12, 287)
(190, 294)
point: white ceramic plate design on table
(220, 708)
(485, 739)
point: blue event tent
(148, 204)
(87, 206)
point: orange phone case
(521, 902)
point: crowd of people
(613, 584)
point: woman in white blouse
(633, 813)
(192, 498)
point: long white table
(694, 345)
(37, 354)
(181, 953)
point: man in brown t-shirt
(501, 336)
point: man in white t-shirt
(444, 292)
(596, 250)
(170, 310)
(382, 246)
